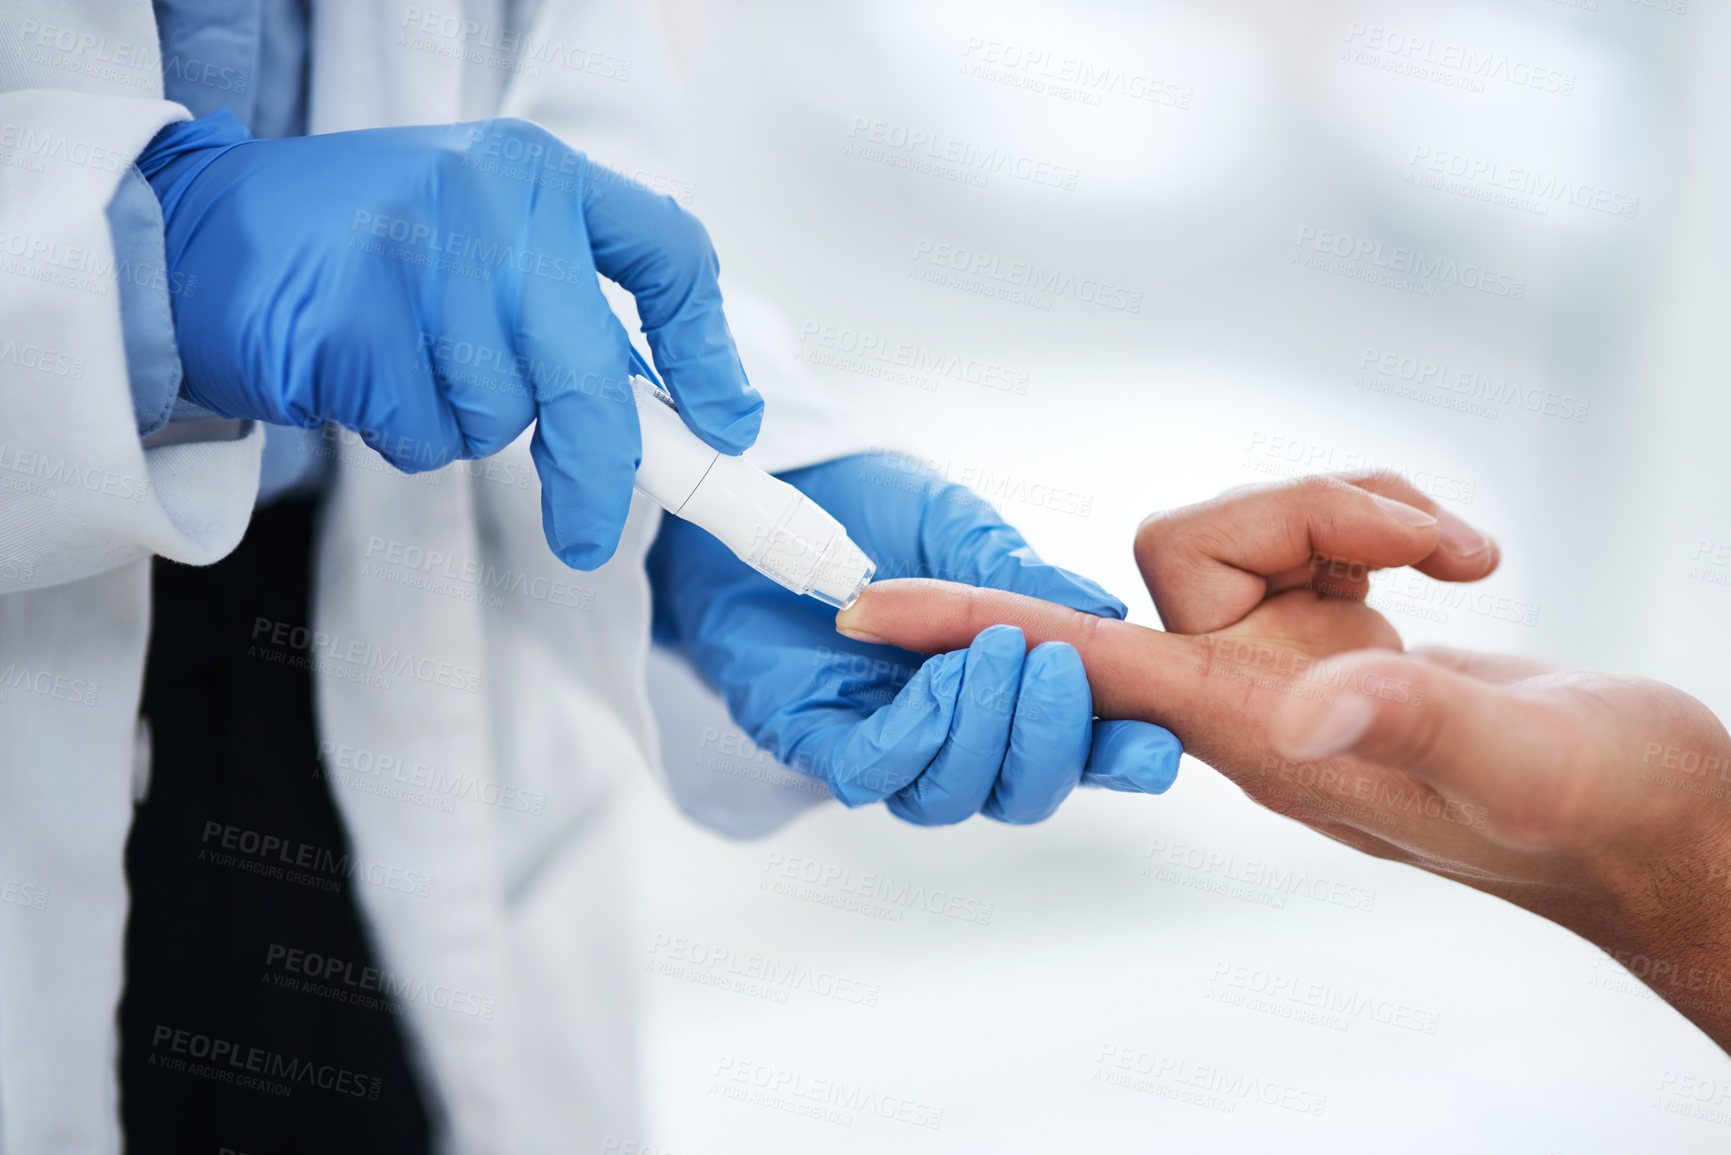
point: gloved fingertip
(916, 815)
(1000, 641)
(582, 557)
(411, 464)
(1156, 778)
(581, 553)
(1056, 584)
(1134, 757)
(711, 389)
(1105, 605)
(730, 422)
(739, 433)
(1057, 658)
(1130, 783)
(583, 525)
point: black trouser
(250, 1022)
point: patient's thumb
(1408, 715)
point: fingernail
(862, 636)
(1321, 732)
(844, 625)
(1459, 538)
(1404, 513)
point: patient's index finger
(1134, 672)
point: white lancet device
(772, 527)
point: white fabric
(82, 508)
(523, 907)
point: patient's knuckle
(1084, 634)
(1383, 478)
(1151, 538)
(1318, 490)
(1391, 483)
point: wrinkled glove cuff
(176, 155)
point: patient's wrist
(1675, 932)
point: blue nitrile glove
(990, 729)
(434, 289)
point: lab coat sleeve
(79, 492)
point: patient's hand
(1254, 587)
(1601, 803)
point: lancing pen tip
(767, 523)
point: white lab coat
(521, 908)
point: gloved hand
(989, 729)
(434, 289)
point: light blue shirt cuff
(295, 463)
(146, 319)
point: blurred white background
(1266, 128)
